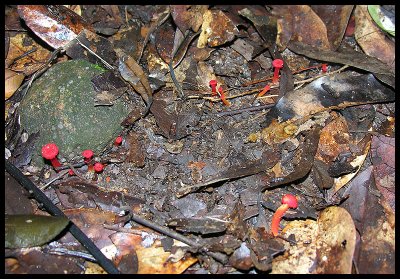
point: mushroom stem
(276, 219)
(288, 200)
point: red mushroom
(118, 141)
(324, 68)
(87, 155)
(49, 152)
(213, 84)
(265, 90)
(278, 64)
(98, 167)
(222, 96)
(288, 201)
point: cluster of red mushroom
(50, 152)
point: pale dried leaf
(13, 81)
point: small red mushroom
(288, 201)
(277, 64)
(324, 68)
(265, 90)
(87, 155)
(98, 167)
(213, 84)
(222, 96)
(118, 141)
(49, 152)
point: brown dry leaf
(300, 258)
(335, 18)
(153, 259)
(325, 246)
(133, 73)
(300, 23)
(20, 44)
(334, 139)
(56, 25)
(383, 159)
(13, 81)
(339, 182)
(188, 16)
(205, 73)
(217, 29)
(372, 39)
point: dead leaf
(13, 80)
(263, 21)
(25, 55)
(383, 159)
(328, 92)
(335, 18)
(301, 24)
(188, 16)
(325, 246)
(217, 29)
(54, 24)
(153, 259)
(133, 73)
(372, 39)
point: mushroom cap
(213, 82)
(118, 140)
(49, 151)
(87, 153)
(290, 200)
(277, 63)
(98, 167)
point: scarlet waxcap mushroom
(87, 155)
(288, 201)
(213, 84)
(49, 152)
(98, 167)
(277, 64)
(118, 141)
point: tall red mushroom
(49, 152)
(288, 201)
(277, 64)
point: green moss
(60, 105)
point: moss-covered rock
(60, 105)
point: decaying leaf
(349, 56)
(133, 73)
(12, 82)
(335, 18)
(153, 259)
(297, 20)
(371, 39)
(217, 29)
(32, 230)
(324, 246)
(330, 92)
(263, 21)
(25, 55)
(54, 24)
(188, 16)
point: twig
(197, 244)
(58, 176)
(92, 52)
(54, 210)
(66, 252)
(249, 109)
(322, 75)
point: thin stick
(92, 52)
